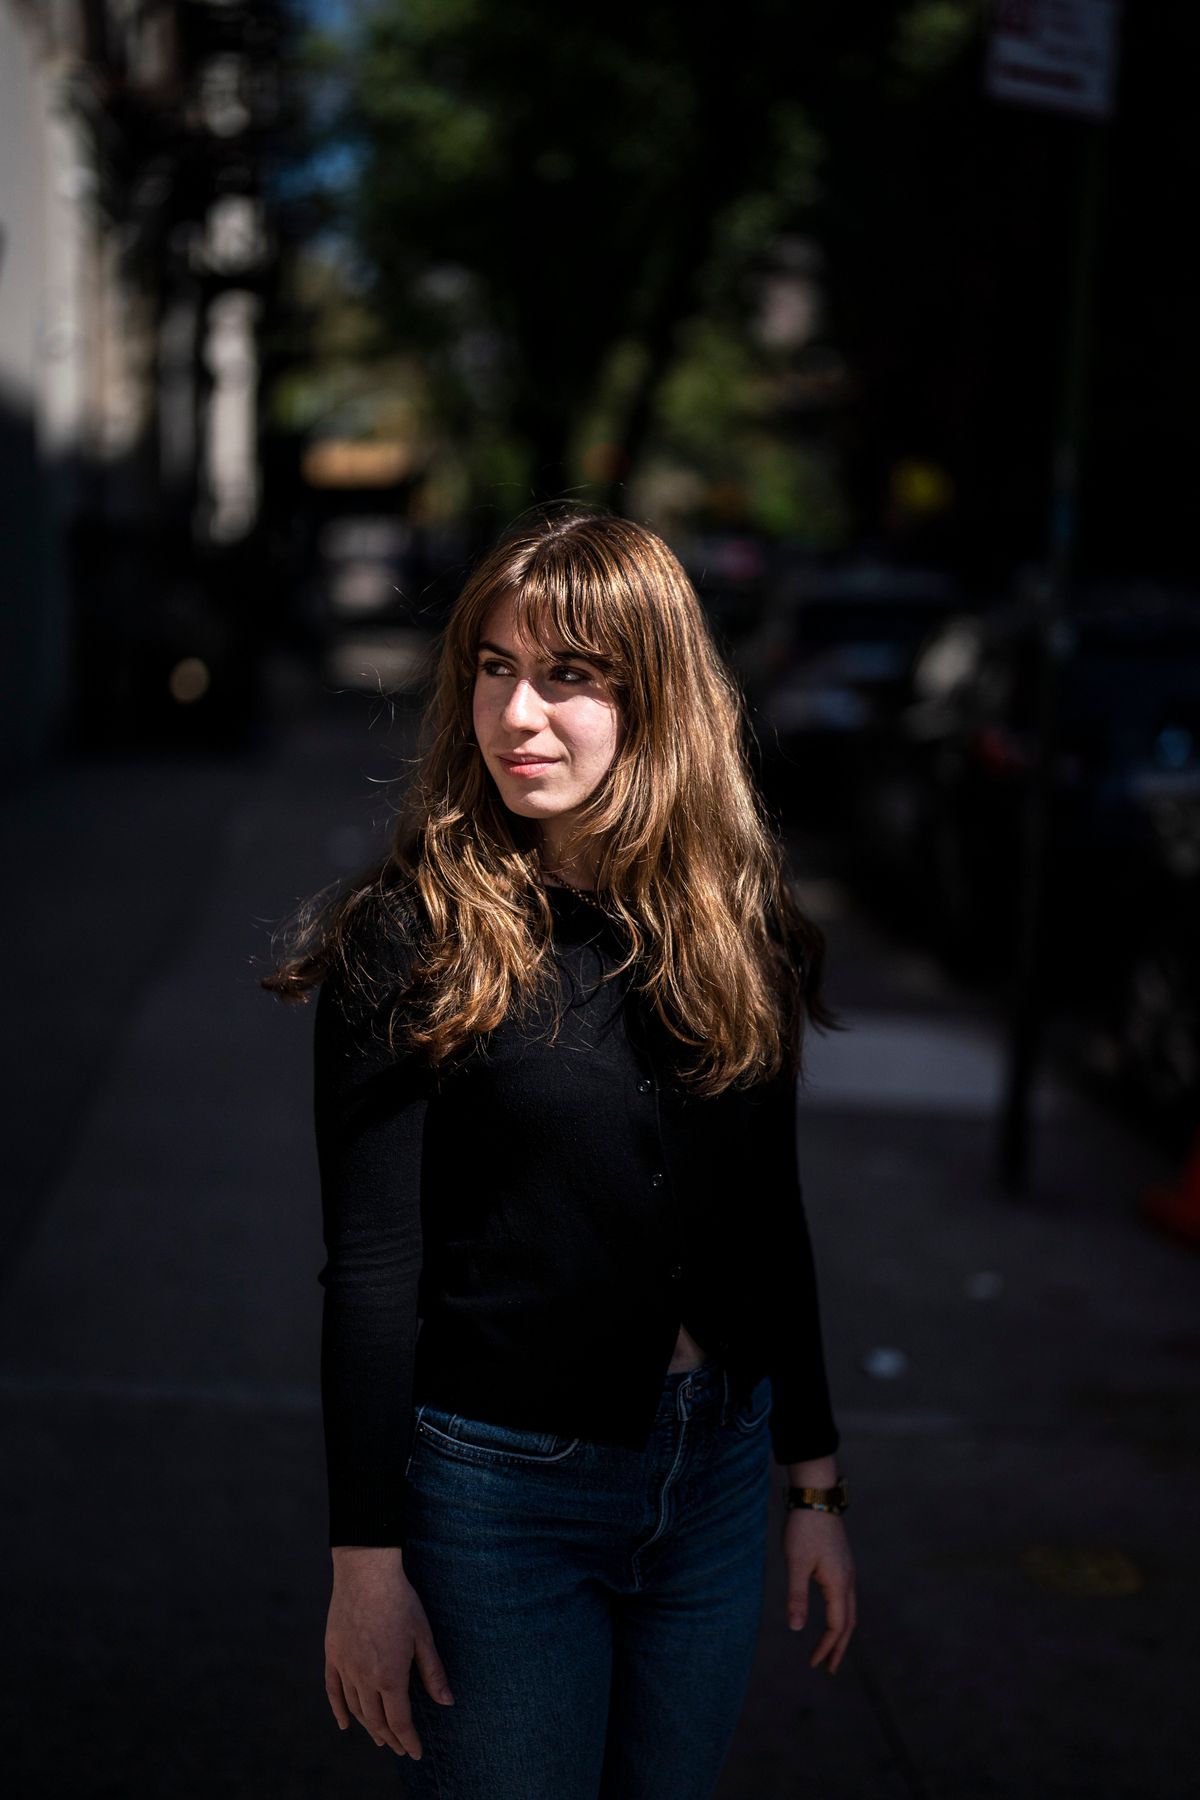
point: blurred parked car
(731, 572)
(827, 668)
(939, 821)
(1143, 1028)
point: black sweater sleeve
(802, 1422)
(369, 1114)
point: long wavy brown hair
(687, 860)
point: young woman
(569, 1298)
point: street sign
(1056, 55)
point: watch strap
(828, 1499)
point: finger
(835, 1622)
(828, 1639)
(410, 1741)
(337, 1700)
(432, 1670)
(837, 1602)
(359, 1705)
(840, 1649)
(376, 1723)
(398, 1713)
(357, 1701)
(797, 1600)
(847, 1633)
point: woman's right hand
(376, 1627)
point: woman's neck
(580, 872)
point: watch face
(831, 1499)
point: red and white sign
(1057, 55)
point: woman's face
(547, 729)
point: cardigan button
(657, 1179)
(676, 1272)
(645, 1087)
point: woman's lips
(529, 768)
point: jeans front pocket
(752, 1412)
(485, 1441)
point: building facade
(136, 260)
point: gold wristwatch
(831, 1499)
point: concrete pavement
(1024, 1488)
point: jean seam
(661, 1526)
(494, 1453)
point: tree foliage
(542, 185)
(564, 208)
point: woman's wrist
(821, 1471)
(367, 1556)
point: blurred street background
(878, 315)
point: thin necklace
(584, 893)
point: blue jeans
(596, 1608)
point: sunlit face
(547, 728)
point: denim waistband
(689, 1391)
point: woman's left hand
(815, 1546)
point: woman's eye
(562, 672)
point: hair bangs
(565, 603)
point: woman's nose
(524, 706)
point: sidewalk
(1024, 1492)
